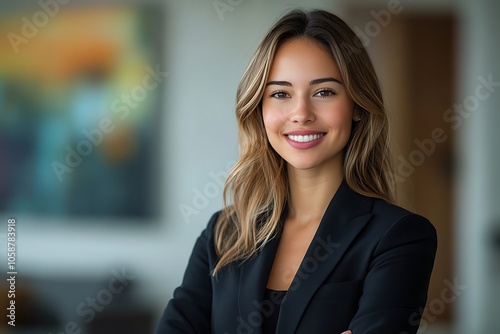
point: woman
(310, 242)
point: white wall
(478, 178)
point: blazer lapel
(345, 217)
(254, 274)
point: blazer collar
(345, 216)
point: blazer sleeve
(189, 311)
(395, 288)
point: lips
(304, 139)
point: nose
(302, 112)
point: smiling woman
(308, 240)
(307, 112)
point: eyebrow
(311, 83)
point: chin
(331, 163)
(302, 165)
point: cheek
(340, 120)
(272, 121)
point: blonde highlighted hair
(256, 191)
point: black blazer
(367, 270)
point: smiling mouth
(306, 138)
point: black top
(271, 305)
(367, 269)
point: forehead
(302, 58)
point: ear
(356, 115)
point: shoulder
(209, 230)
(393, 212)
(395, 224)
(383, 215)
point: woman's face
(306, 110)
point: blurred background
(117, 130)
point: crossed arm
(395, 288)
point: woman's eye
(325, 93)
(280, 95)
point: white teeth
(306, 138)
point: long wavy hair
(256, 191)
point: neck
(311, 191)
